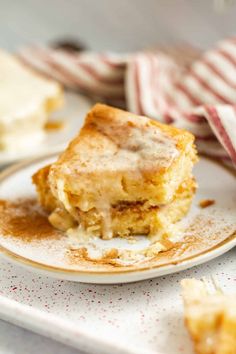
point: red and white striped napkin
(187, 88)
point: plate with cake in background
(128, 199)
(36, 115)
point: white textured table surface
(143, 317)
(105, 24)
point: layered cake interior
(122, 175)
(210, 318)
(26, 100)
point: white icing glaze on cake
(137, 150)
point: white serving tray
(139, 318)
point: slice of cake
(210, 318)
(26, 100)
(122, 175)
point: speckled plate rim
(102, 276)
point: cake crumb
(111, 254)
(54, 125)
(205, 203)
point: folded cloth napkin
(190, 89)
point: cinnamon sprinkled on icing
(135, 149)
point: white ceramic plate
(72, 116)
(208, 233)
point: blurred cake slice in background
(122, 175)
(210, 318)
(26, 100)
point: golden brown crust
(119, 159)
(40, 179)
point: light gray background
(114, 24)
(121, 25)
